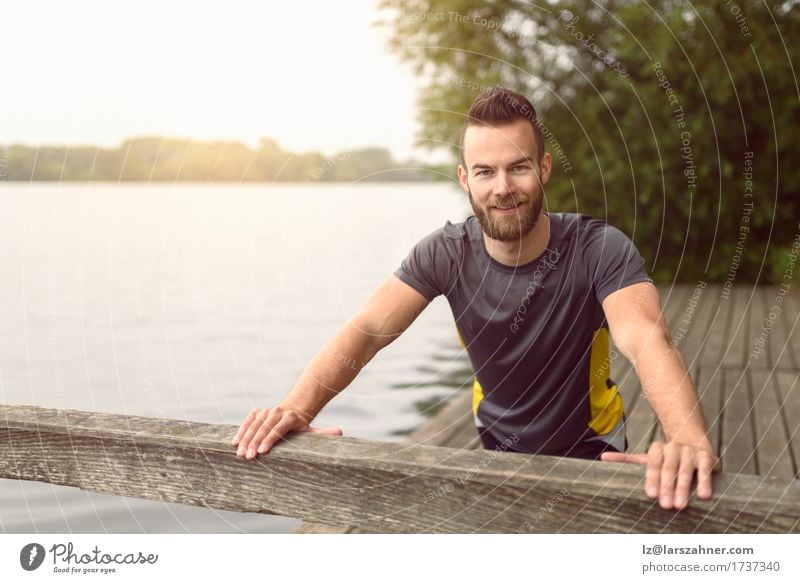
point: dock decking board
(771, 429)
(710, 391)
(738, 451)
(791, 321)
(789, 392)
(742, 304)
(718, 327)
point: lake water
(200, 302)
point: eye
(520, 167)
(481, 173)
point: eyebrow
(514, 163)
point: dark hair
(495, 106)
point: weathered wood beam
(374, 486)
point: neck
(524, 250)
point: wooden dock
(441, 480)
(742, 349)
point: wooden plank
(785, 329)
(375, 486)
(743, 300)
(765, 343)
(787, 343)
(738, 447)
(716, 343)
(453, 426)
(774, 455)
(788, 386)
(467, 436)
(461, 434)
(674, 301)
(699, 315)
(758, 350)
(772, 330)
(711, 391)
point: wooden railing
(374, 486)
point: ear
(546, 166)
(462, 178)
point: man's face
(504, 179)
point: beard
(512, 227)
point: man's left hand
(670, 469)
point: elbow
(373, 334)
(627, 349)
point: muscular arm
(641, 333)
(388, 312)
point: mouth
(507, 210)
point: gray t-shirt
(536, 333)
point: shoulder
(432, 264)
(460, 231)
(579, 222)
(448, 235)
(591, 233)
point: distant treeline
(155, 159)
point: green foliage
(666, 167)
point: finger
(685, 476)
(283, 426)
(274, 417)
(705, 467)
(669, 472)
(627, 458)
(250, 421)
(652, 476)
(326, 430)
(243, 427)
(255, 424)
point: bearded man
(535, 296)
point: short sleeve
(428, 266)
(612, 260)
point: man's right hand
(263, 428)
(390, 309)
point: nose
(503, 183)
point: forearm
(669, 389)
(332, 369)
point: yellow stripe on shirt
(606, 404)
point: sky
(312, 75)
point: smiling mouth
(508, 208)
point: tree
(672, 120)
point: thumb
(627, 458)
(326, 430)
